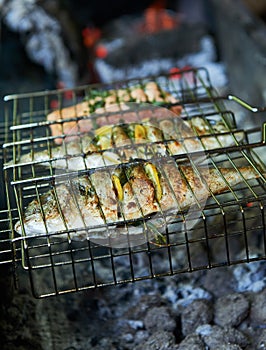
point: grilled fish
(130, 192)
(115, 144)
(105, 101)
(74, 155)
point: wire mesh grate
(230, 226)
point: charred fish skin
(114, 144)
(88, 204)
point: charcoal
(232, 335)
(227, 347)
(160, 340)
(258, 309)
(159, 318)
(145, 303)
(231, 310)
(104, 343)
(171, 43)
(191, 342)
(216, 337)
(261, 344)
(224, 282)
(197, 313)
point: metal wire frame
(67, 265)
(6, 249)
(6, 256)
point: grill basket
(230, 230)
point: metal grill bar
(68, 265)
(5, 243)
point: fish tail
(231, 177)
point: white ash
(128, 338)
(250, 277)
(136, 324)
(203, 330)
(108, 73)
(141, 336)
(43, 38)
(184, 294)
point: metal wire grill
(5, 243)
(231, 228)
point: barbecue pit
(153, 276)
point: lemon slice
(118, 187)
(139, 132)
(104, 142)
(104, 130)
(152, 173)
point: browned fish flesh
(102, 102)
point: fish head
(48, 214)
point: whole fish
(99, 205)
(114, 144)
